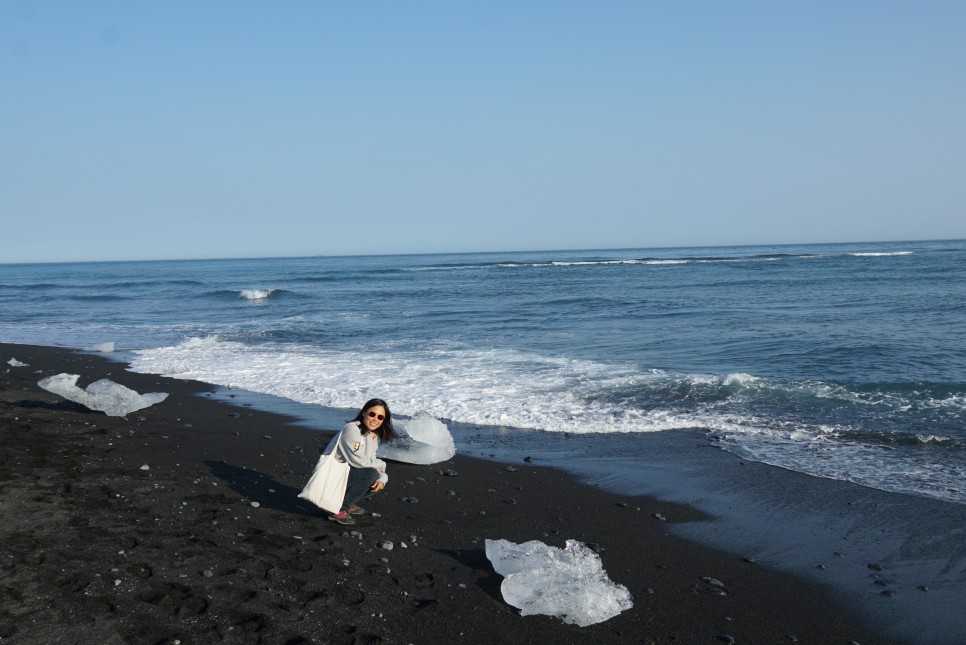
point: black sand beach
(98, 549)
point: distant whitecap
(256, 294)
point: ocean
(842, 361)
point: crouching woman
(358, 442)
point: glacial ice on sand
(569, 583)
(113, 399)
(422, 440)
(13, 362)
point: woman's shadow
(261, 488)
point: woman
(358, 442)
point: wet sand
(98, 549)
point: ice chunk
(113, 399)
(13, 362)
(422, 440)
(104, 348)
(569, 583)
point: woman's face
(374, 417)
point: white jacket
(357, 447)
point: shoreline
(896, 560)
(113, 553)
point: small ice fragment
(422, 440)
(104, 348)
(13, 362)
(113, 399)
(569, 583)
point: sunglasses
(373, 415)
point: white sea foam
(491, 387)
(512, 388)
(104, 348)
(879, 254)
(822, 452)
(256, 294)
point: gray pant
(359, 484)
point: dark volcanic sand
(93, 549)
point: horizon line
(428, 253)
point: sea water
(842, 361)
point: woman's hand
(378, 486)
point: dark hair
(385, 431)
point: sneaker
(342, 518)
(356, 510)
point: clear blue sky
(143, 130)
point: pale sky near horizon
(256, 129)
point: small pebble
(529, 460)
(145, 467)
(726, 638)
(356, 534)
(511, 469)
(255, 504)
(922, 588)
(450, 473)
(750, 559)
(713, 581)
(451, 493)
(117, 582)
(387, 546)
(792, 637)
(384, 560)
(660, 517)
(875, 566)
(207, 573)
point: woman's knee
(369, 474)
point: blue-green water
(843, 361)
